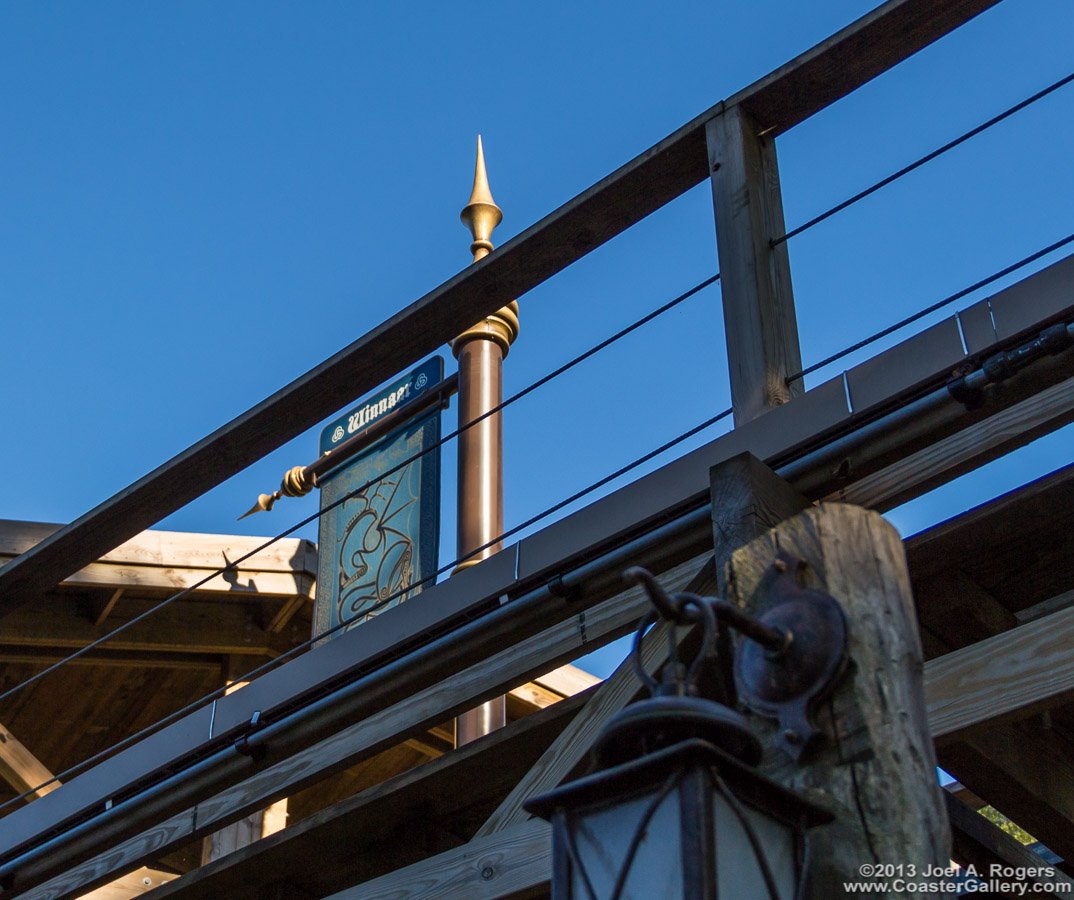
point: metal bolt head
(487, 873)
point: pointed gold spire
(481, 214)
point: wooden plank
(25, 772)
(755, 277)
(108, 606)
(133, 885)
(206, 627)
(1023, 670)
(245, 581)
(567, 680)
(388, 825)
(21, 769)
(178, 549)
(818, 77)
(408, 718)
(963, 451)
(574, 743)
(514, 863)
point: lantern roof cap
(646, 773)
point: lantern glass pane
(602, 839)
(738, 873)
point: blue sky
(201, 201)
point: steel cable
(973, 132)
(958, 295)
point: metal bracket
(787, 684)
(243, 745)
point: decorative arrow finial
(481, 214)
(296, 483)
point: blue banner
(384, 540)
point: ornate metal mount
(787, 685)
(786, 660)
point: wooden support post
(748, 498)
(758, 304)
(876, 767)
(21, 769)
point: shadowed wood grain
(512, 863)
(577, 738)
(1017, 672)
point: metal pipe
(480, 351)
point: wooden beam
(963, 451)
(25, 772)
(108, 606)
(818, 77)
(574, 743)
(178, 549)
(221, 627)
(132, 885)
(755, 278)
(515, 863)
(1016, 673)
(385, 826)
(747, 499)
(21, 769)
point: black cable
(924, 159)
(540, 382)
(1014, 267)
(376, 607)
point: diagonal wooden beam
(513, 863)
(1015, 673)
(21, 769)
(571, 746)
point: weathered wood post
(874, 765)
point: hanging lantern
(677, 809)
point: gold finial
(481, 214)
(296, 483)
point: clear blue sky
(201, 201)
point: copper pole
(480, 351)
